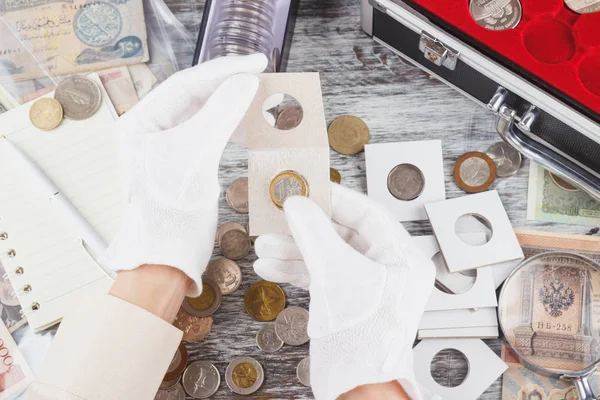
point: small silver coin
(507, 159)
(583, 6)
(235, 244)
(167, 384)
(226, 274)
(244, 375)
(79, 96)
(474, 171)
(201, 379)
(267, 339)
(226, 227)
(303, 371)
(192, 307)
(174, 393)
(406, 182)
(237, 195)
(291, 326)
(496, 15)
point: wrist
(158, 289)
(383, 391)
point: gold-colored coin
(287, 184)
(264, 301)
(207, 303)
(348, 135)
(334, 175)
(205, 300)
(244, 375)
(46, 114)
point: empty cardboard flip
(479, 332)
(503, 245)
(481, 294)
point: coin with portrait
(244, 375)
(496, 15)
(291, 326)
(267, 339)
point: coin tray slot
(381, 158)
(550, 42)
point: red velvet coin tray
(552, 42)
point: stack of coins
(170, 387)
(233, 241)
(237, 195)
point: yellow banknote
(43, 37)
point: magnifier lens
(550, 312)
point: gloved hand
(170, 146)
(368, 287)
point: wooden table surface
(399, 103)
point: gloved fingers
(293, 272)
(274, 245)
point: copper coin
(334, 175)
(348, 135)
(167, 384)
(235, 244)
(563, 184)
(194, 328)
(289, 118)
(226, 227)
(207, 303)
(237, 195)
(225, 273)
(474, 172)
(178, 363)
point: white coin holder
(484, 367)
(381, 158)
(503, 245)
(449, 319)
(479, 332)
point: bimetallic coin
(226, 227)
(287, 184)
(496, 15)
(583, 6)
(194, 328)
(334, 175)
(406, 182)
(267, 340)
(474, 172)
(507, 159)
(264, 301)
(237, 195)
(291, 325)
(226, 274)
(46, 114)
(169, 383)
(201, 379)
(174, 393)
(207, 303)
(79, 96)
(303, 371)
(244, 375)
(235, 244)
(289, 118)
(177, 363)
(348, 135)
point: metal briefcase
(557, 130)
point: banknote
(119, 86)
(51, 37)
(15, 374)
(552, 199)
(143, 79)
(10, 309)
(7, 101)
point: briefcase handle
(516, 131)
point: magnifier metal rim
(546, 372)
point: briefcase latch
(437, 52)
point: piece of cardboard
(479, 332)
(467, 318)
(481, 294)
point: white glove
(368, 287)
(170, 146)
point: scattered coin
(244, 375)
(334, 175)
(169, 383)
(79, 96)
(287, 184)
(583, 6)
(46, 114)
(201, 379)
(267, 340)
(177, 363)
(563, 184)
(507, 159)
(207, 303)
(348, 135)
(237, 195)
(194, 328)
(235, 244)
(174, 393)
(406, 182)
(289, 118)
(264, 301)
(291, 324)
(496, 15)
(226, 274)
(474, 172)
(303, 371)
(226, 227)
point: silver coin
(235, 244)
(244, 375)
(496, 15)
(583, 6)
(237, 195)
(291, 326)
(201, 379)
(204, 310)
(303, 371)
(507, 159)
(79, 96)
(267, 340)
(225, 273)
(174, 393)
(169, 383)
(406, 182)
(474, 171)
(226, 227)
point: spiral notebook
(46, 262)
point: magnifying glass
(549, 312)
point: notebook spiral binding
(12, 253)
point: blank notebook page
(80, 158)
